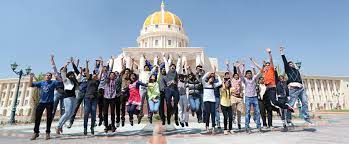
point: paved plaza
(331, 128)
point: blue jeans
(218, 103)
(90, 107)
(301, 94)
(154, 106)
(254, 102)
(195, 106)
(70, 104)
(58, 98)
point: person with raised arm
(81, 91)
(270, 82)
(194, 87)
(153, 92)
(90, 100)
(58, 94)
(70, 85)
(161, 74)
(209, 84)
(110, 92)
(226, 107)
(134, 101)
(171, 91)
(100, 98)
(250, 95)
(46, 100)
(145, 69)
(295, 86)
(183, 104)
(125, 82)
(236, 96)
(199, 74)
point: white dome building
(163, 32)
(162, 29)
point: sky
(314, 32)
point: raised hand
(268, 50)
(282, 50)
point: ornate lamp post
(299, 64)
(20, 73)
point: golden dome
(162, 17)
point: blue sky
(314, 31)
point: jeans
(118, 105)
(154, 106)
(271, 93)
(70, 104)
(302, 96)
(252, 101)
(210, 110)
(183, 108)
(90, 107)
(228, 116)
(38, 114)
(109, 103)
(58, 98)
(171, 109)
(79, 100)
(123, 100)
(132, 110)
(218, 103)
(266, 110)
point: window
(156, 42)
(169, 42)
(145, 44)
(9, 103)
(156, 26)
(180, 44)
(169, 26)
(27, 94)
(26, 102)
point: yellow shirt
(225, 97)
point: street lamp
(20, 73)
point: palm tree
(35, 97)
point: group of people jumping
(169, 89)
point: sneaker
(59, 131)
(182, 124)
(34, 136)
(260, 130)
(213, 131)
(106, 130)
(225, 132)
(239, 126)
(219, 125)
(290, 124)
(186, 124)
(69, 125)
(200, 121)
(47, 136)
(163, 123)
(85, 131)
(131, 123)
(117, 124)
(248, 130)
(284, 129)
